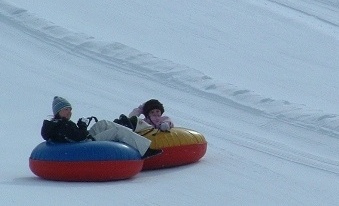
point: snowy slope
(262, 151)
(262, 46)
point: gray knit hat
(59, 103)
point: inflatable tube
(85, 161)
(180, 147)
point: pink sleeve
(137, 111)
(168, 120)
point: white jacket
(104, 130)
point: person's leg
(133, 139)
(100, 126)
(109, 131)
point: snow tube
(85, 161)
(180, 147)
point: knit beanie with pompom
(59, 103)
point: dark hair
(152, 104)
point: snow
(257, 78)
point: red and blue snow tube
(85, 161)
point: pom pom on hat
(152, 104)
(59, 103)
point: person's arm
(137, 111)
(166, 119)
(50, 130)
(165, 123)
(75, 133)
(63, 131)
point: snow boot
(151, 152)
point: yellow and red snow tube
(180, 146)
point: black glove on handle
(82, 124)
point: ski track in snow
(181, 77)
(175, 75)
(330, 19)
(286, 152)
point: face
(66, 113)
(155, 113)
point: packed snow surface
(258, 78)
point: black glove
(124, 121)
(90, 137)
(82, 123)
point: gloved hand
(90, 137)
(164, 126)
(82, 123)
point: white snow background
(258, 78)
